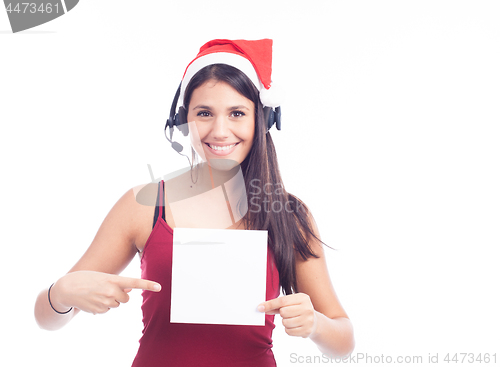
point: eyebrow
(204, 107)
(240, 107)
(201, 107)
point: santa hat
(254, 58)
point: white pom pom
(272, 97)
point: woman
(225, 96)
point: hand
(297, 312)
(95, 292)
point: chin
(223, 164)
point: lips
(221, 149)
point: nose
(220, 128)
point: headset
(179, 120)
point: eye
(237, 114)
(203, 114)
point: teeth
(216, 147)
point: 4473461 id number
(33, 8)
(470, 358)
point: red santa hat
(254, 58)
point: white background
(390, 135)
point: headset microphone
(177, 146)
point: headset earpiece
(277, 117)
(173, 116)
(273, 116)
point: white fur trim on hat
(271, 97)
(239, 62)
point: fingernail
(260, 308)
(157, 287)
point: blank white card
(218, 276)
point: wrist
(333, 336)
(314, 331)
(54, 303)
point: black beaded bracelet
(50, 303)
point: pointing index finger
(136, 283)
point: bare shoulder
(145, 195)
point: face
(225, 121)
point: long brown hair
(270, 207)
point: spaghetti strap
(160, 205)
(162, 196)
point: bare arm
(92, 284)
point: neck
(218, 173)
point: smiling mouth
(221, 147)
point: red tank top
(195, 345)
